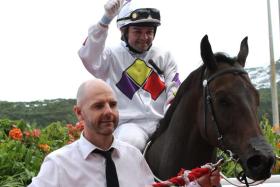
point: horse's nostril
(255, 162)
(258, 162)
(259, 166)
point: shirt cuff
(105, 20)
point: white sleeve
(171, 79)
(48, 175)
(93, 54)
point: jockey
(143, 76)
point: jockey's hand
(112, 8)
(210, 179)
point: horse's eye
(224, 102)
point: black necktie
(111, 172)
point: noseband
(208, 101)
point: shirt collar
(87, 147)
(135, 55)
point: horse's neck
(192, 150)
(183, 139)
(178, 143)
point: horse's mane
(186, 85)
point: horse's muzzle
(258, 159)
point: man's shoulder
(64, 151)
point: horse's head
(230, 104)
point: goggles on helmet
(144, 13)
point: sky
(39, 39)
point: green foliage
(274, 139)
(270, 134)
(231, 168)
(19, 161)
(39, 113)
(265, 108)
(55, 135)
(23, 149)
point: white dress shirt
(75, 165)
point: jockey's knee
(135, 137)
(136, 141)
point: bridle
(208, 99)
(209, 110)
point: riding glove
(112, 8)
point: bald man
(78, 164)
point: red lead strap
(184, 177)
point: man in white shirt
(78, 164)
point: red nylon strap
(160, 185)
(179, 180)
(197, 172)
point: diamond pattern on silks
(176, 79)
(137, 76)
(154, 85)
(139, 71)
(127, 86)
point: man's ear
(78, 112)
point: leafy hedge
(39, 113)
(23, 148)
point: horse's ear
(243, 52)
(207, 55)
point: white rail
(273, 181)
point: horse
(215, 107)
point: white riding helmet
(135, 11)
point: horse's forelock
(224, 58)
